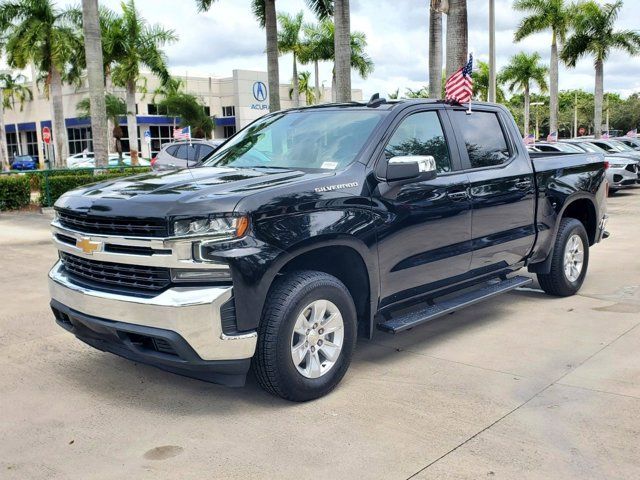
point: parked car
(24, 162)
(556, 147)
(312, 226)
(115, 162)
(623, 171)
(614, 146)
(630, 142)
(184, 154)
(82, 160)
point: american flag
(459, 86)
(632, 133)
(552, 137)
(529, 139)
(182, 133)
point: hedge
(57, 183)
(15, 192)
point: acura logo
(87, 246)
(260, 91)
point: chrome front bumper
(191, 312)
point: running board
(426, 314)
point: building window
(229, 111)
(155, 109)
(159, 136)
(229, 131)
(79, 140)
(12, 145)
(207, 111)
(32, 144)
(125, 140)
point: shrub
(55, 183)
(15, 192)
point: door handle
(523, 184)
(457, 196)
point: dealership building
(232, 102)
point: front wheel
(569, 262)
(306, 336)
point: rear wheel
(570, 260)
(306, 336)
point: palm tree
(342, 39)
(321, 38)
(457, 36)
(523, 71)
(95, 77)
(554, 15)
(289, 41)
(38, 32)
(265, 12)
(190, 111)
(115, 108)
(137, 44)
(305, 88)
(595, 35)
(481, 84)
(13, 89)
(436, 9)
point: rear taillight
(606, 164)
(155, 159)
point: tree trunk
(527, 101)
(316, 66)
(342, 20)
(108, 87)
(271, 27)
(296, 83)
(435, 53)
(4, 151)
(553, 86)
(132, 122)
(57, 117)
(598, 100)
(95, 76)
(457, 36)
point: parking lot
(524, 386)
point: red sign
(46, 135)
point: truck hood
(193, 191)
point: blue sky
(227, 37)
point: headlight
(219, 228)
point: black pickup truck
(312, 226)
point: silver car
(184, 154)
(630, 142)
(623, 171)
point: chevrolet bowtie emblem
(87, 246)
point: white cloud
(228, 37)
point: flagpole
(471, 97)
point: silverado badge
(87, 246)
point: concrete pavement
(525, 386)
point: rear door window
(172, 150)
(204, 151)
(484, 138)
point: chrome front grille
(113, 226)
(141, 279)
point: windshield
(622, 147)
(589, 147)
(307, 139)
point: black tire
(272, 364)
(556, 282)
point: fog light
(200, 275)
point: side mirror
(422, 167)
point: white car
(113, 162)
(87, 159)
